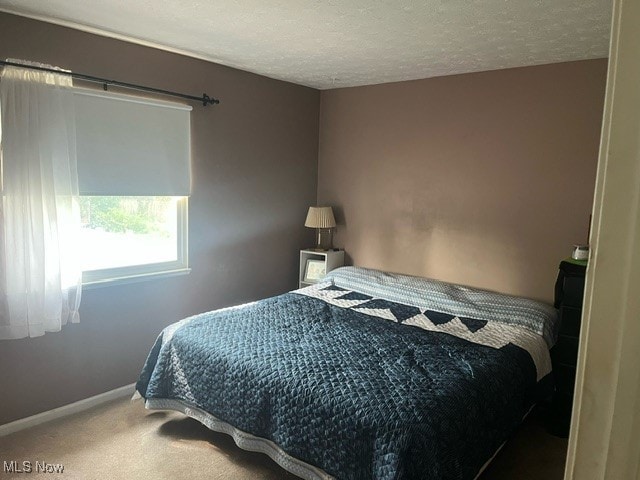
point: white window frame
(135, 273)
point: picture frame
(314, 270)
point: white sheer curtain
(40, 274)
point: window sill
(134, 278)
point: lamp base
(324, 240)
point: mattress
(337, 382)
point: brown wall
(484, 179)
(255, 174)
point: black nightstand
(569, 293)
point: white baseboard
(65, 410)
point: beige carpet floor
(122, 440)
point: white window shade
(132, 146)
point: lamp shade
(320, 217)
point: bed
(366, 375)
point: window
(124, 237)
(134, 177)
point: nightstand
(569, 294)
(331, 259)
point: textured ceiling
(331, 43)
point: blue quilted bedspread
(358, 396)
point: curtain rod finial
(206, 100)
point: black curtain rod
(205, 99)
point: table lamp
(321, 218)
